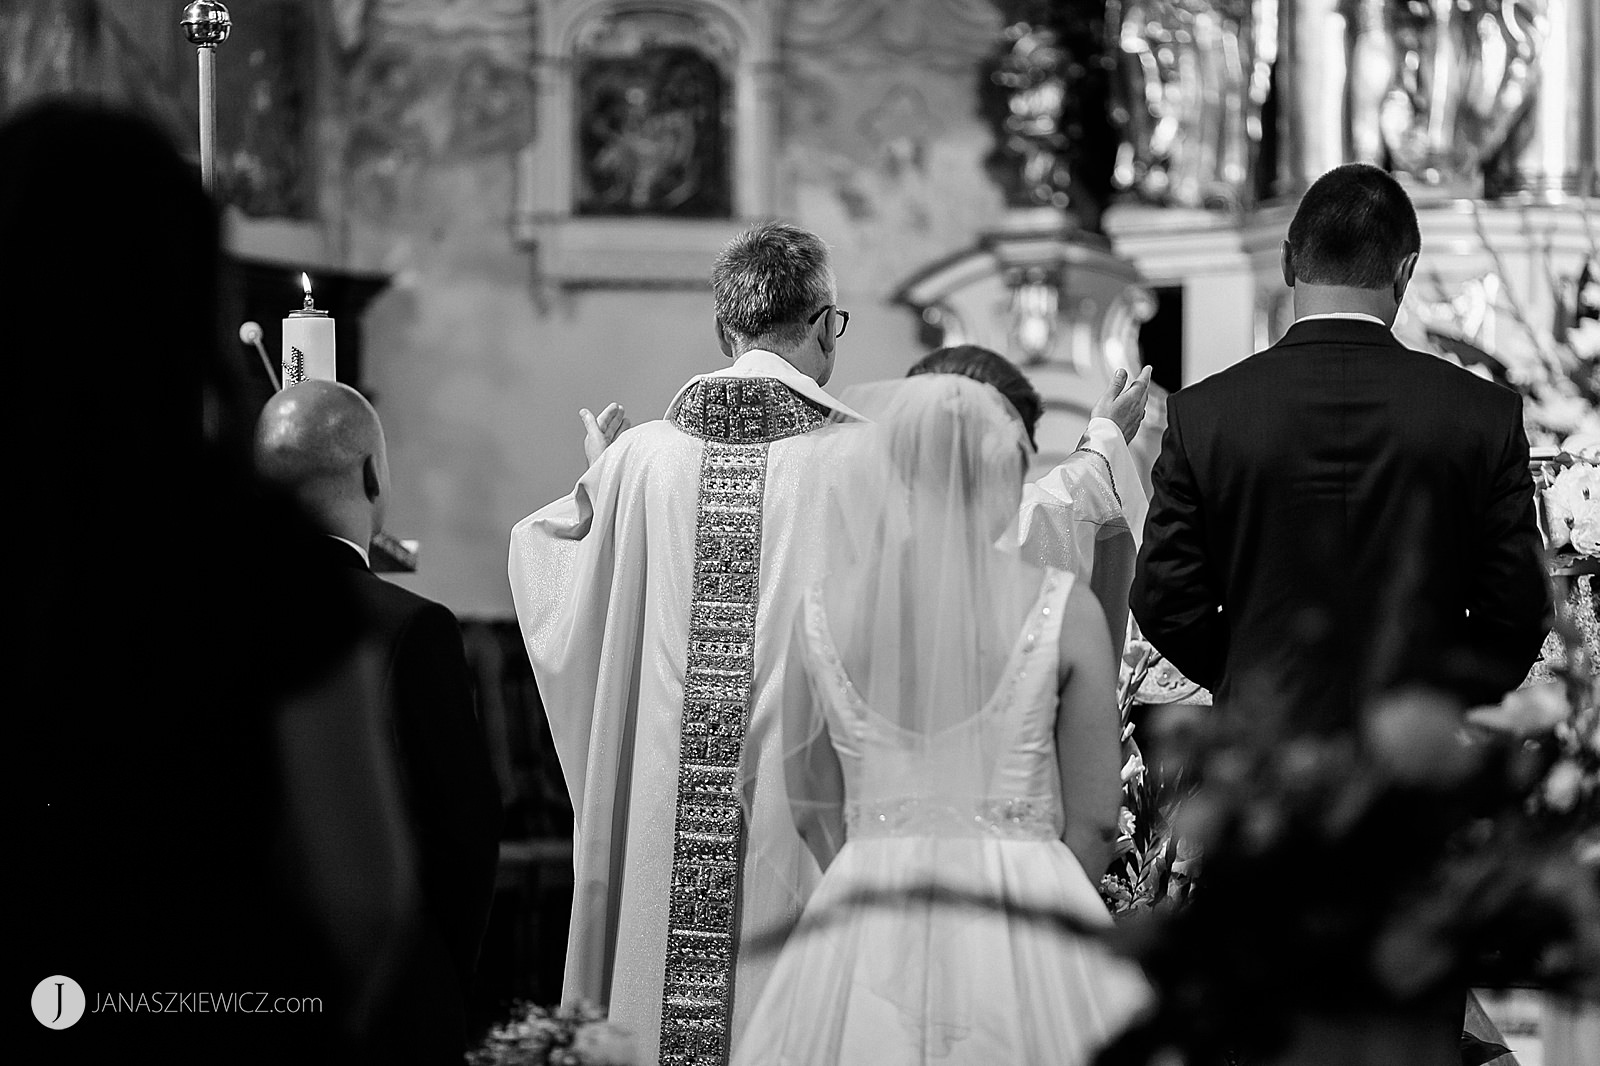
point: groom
(1339, 514)
(655, 601)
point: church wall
(479, 366)
(394, 138)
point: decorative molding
(612, 252)
(1047, 296)
(946, 34)
(278, 240)
(1174, 243)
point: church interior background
(511, 208)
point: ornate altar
(1223, 112)
(1046, 288)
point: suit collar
(336, 551)
(1338, 331)
(366, 555)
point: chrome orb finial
(206, 23)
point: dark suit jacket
(451, 798)
(1338, 514)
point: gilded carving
(1191, 78)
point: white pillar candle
(308, 344)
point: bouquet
(1570, 489)
(1152, 865)
(567, 1036)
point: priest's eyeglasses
(844, 317)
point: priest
(655, 601)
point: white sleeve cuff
(1102, 436)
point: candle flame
(305, 282)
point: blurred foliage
(1376, 869)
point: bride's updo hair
(992, 369)
(955, 445)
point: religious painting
(653, 131)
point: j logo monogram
(58, 1002)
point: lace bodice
(994, 775)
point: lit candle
(308, 347)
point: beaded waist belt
(1008, 819)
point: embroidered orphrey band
(738, 418)
(708, 844)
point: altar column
(1555, 151)
(1313, 112)
(1203, 252)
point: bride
(953, 765)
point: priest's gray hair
(767, 282)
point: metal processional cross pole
(206, 23)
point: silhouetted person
(1339, 513)
(185, 789)
(323, 443)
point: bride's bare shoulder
(1083, 626)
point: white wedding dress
(930, 939)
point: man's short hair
(768, 281)
(1353, 227)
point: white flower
(1133, 768)
(1561, 788)
(1586, 530)
(1416, 736)
(1584, 338)
(1584, 445)
(1559, 407)
(1573, 504)
(1530, 711)
(1575, 484)
(605, 1044)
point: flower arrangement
(567, 1036)
(1374, 871)
(1558, 374)
(1152, 865)
(1558, 723)
(1571, 497)
(1555, 365)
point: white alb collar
(759, 363)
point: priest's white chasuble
(656, 602)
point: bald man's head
(323, 442)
